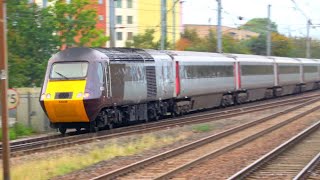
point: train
(93, 88)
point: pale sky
(283, 12)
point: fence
(29, 111)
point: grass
(70, 161)
(17, 131)
(202, 128)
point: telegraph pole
(174, 23)
(308, 39)
(269, 32)
(163, 24)
(219, 33)
(3, 89)
(112, 27)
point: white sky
(283, 13)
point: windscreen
(70, 70)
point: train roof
(190, 56)
(285, 60)
(308, 61)
(126, 54)
(252, 58)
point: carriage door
(108, 80)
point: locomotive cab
(73, 91)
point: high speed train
(98, 87)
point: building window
(44, 3)
(119, 19)
(129, 3)
(100, 1)
(130, 36)
(118, 3)
(100, 17)
(129, 20)
(119, 36)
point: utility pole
(3, 94)
(219, 33)
(174, 23)
(269, 32)
(163, 24)
(308, 39)
(112, 27)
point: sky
(290, 15)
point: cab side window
(100, 73)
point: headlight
(48, 96)
(79, 95)
(43, 96)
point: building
(238, 34)
(133, 17)
(126, 21)
(149, 17)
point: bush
(202, 128)
(18, 130)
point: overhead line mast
(219, 33)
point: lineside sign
(13, 98)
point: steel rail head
(305, 172)
(258, 163)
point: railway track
(311, 170)
(287, 160)
(167, 164)
(58, 141)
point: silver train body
(147, 84)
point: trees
(143, 40)
(30, 42)
(191, 41)
(34, 35)
(75, 23)
(259, 25)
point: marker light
(86, 95)
(79, 95)
(48, 96)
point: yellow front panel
(70, 109)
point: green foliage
(35, 33)
(76, 20)
(146, 41)
(17, 131)
(281, 45)
(202, 128)
(259, 25)
(30, 42)
(209, 43)
(299, 48)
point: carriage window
(207, 71)
(310, 69)
(69, 70)
(257, 70)
(100, 73)
(289, 69)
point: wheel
(62, 130)
(110, 125)
(78, 129)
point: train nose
(64, 103)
